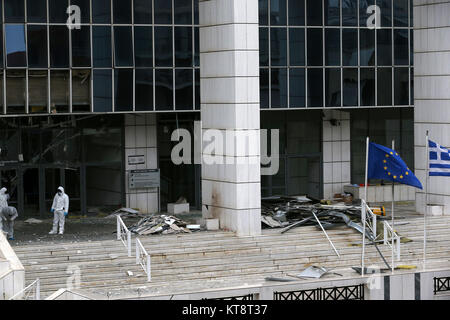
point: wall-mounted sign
(142, 179)
(135, 160)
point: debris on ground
(126, 213)
(33, 221)
(160, 224)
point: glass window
(197, 89)
(412, 87)
(363, 15)
(367, 86)
(81, 90)
(59, 91)
(102, 90)
(411, 47)
(332, 87)
(278, 12)
(16, 51)
(315, 87)
(14, 11)
(144, 89)
(184, 89)
(367, 49)
(163, 47)
(263, 12)
(315, 49)
(101, 11)
(37, 11)
(163, 11)
(122, 11)
(163, 89)
(384, 86)
(332, 12)
(333, 47)
(37, 46)
(142, 12)
(197, 47)
(101, 43)
(57, 11)
(15, 87)
(401, 13)
(123, 47)
(350, 87)
(1, 64)
(314, 13)
(279, 88)
(59, 47)
(264, 46)
(297, 95)
(350, 47)
(401, 54)
(183, 11)
(401, 86)
(386, 12)
(183, 47)
(81, 47)
(85, 9)
(297, 13)
(278, 39)
(297, 47)
(384, 47)
(264, 88)
(123, 89)
(143, 51)
(349, 12)
(37, 91)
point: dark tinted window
(315, 87)
(38, 91)
(144, 89)
(350, 47)
(297, 88)
(81, 47)
(315, 55)
(349, 12)
(332, 13)
(163, 47)
(37, 46)
(197, 47)
(332, 47)
(363, 15)
(122, 11)
(59, 90)
(142, 11)
(57, 11)
(264, 46)
(85, 9)
(101, 11)
(367, 47)
(401, 13)
(163, 11)
(184, 89)
(279, 88)
(384, 80)
(263, 12)
(183, 47)
(183, 11)
(401, 54)
(197, 89)
(59, 47)
(123, 89)
(16, 49)
(350, 86)
(264, 87)
(101, 46)
(297, 13)
(143, 47)
(37, 11)
(15, 87)
(102, 90)
(384, 47)
(314, 13)
(163, 89)
(401, 86)
(297, 47)
(123, 52)
(386, 12)
(367, 86)
(278, 39)
(333, 87)
(14, 11)
(278, 12)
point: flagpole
(363, 207)
(393, 207)
(426, 202)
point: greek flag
(439, 160)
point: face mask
(59, 193)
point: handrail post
(118, 228)
(398, 248)
(385, 233)
(149, 269)
(138, 253)
(374, 227)
(129, 243)
(38, 290)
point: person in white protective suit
(4, 197)
(7, 217)
(60, 209)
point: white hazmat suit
(3, 198)
(7, 217)
(60, 209)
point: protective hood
(61, 189)
(3, 190)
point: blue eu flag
(386, 164)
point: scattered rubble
(161, 224)
(126, 213)
(33, 221)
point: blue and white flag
(439, 160)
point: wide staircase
(191, 262)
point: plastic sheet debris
(313, 272)
(33, 221)
(160, 224)
(125, 213)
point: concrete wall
(432, 91)
(140, 139)
(336, 152)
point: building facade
(79, 105)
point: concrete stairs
(219, 259)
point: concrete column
(229, 60)
(432, 92)
(140, 140)
(336, 152)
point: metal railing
(31, 292)
(355, 292)
(389, 235)
(371, 219)
(123, 234)
(441, 285)
(143, 258)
